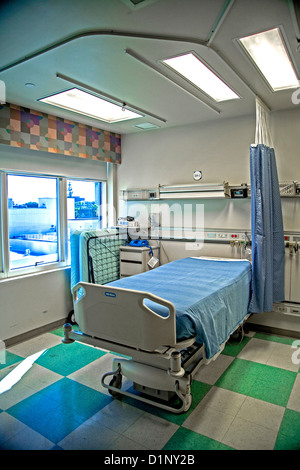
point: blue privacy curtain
(266, 223)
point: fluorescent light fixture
(191, 68)
(90, 105)
(269, 53)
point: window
(83, 206)
(32, 220)
(39, 213)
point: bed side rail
(120, 315)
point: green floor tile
(289, 433)
(184, 439)
(65, 359)
(260, 381)
(8, 359)
(273, 385)
(234, 348)
(239, 376)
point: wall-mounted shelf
(184, 191)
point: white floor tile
(151, 431)
(39, 377)
(91, 374)
(117, 416)
(123, 443)
(89, 436)
(257, 350)
(212, 372)
(34, 345)
(14, 395)
(9, 427)
(244, 435)
(282, 357)
(223, 400)
(262, 413)
(25, 439)
(209, 422)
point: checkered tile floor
(249, 398)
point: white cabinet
(134, 260)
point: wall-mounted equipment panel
(289, 189)
(140, 194)
(205, 191)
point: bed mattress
(211, 296)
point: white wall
(220, 149)
(33, 301)
(285, 127)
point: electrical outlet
(280, 308)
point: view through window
(83, 205)
(32, 220)
(33, 215)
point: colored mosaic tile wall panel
(23, 127)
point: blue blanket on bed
(211, 297)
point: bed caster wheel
(116, 382)
(71, 318)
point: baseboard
(32, 333)
(273, 330)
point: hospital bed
(167, 323)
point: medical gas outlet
(232, 236)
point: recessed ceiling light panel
(268, 52)
(81, 102)
(147, 126)
(196, 72)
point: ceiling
(114, 48)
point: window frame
(102, 215)
(62, 223)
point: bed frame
(158, 365)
